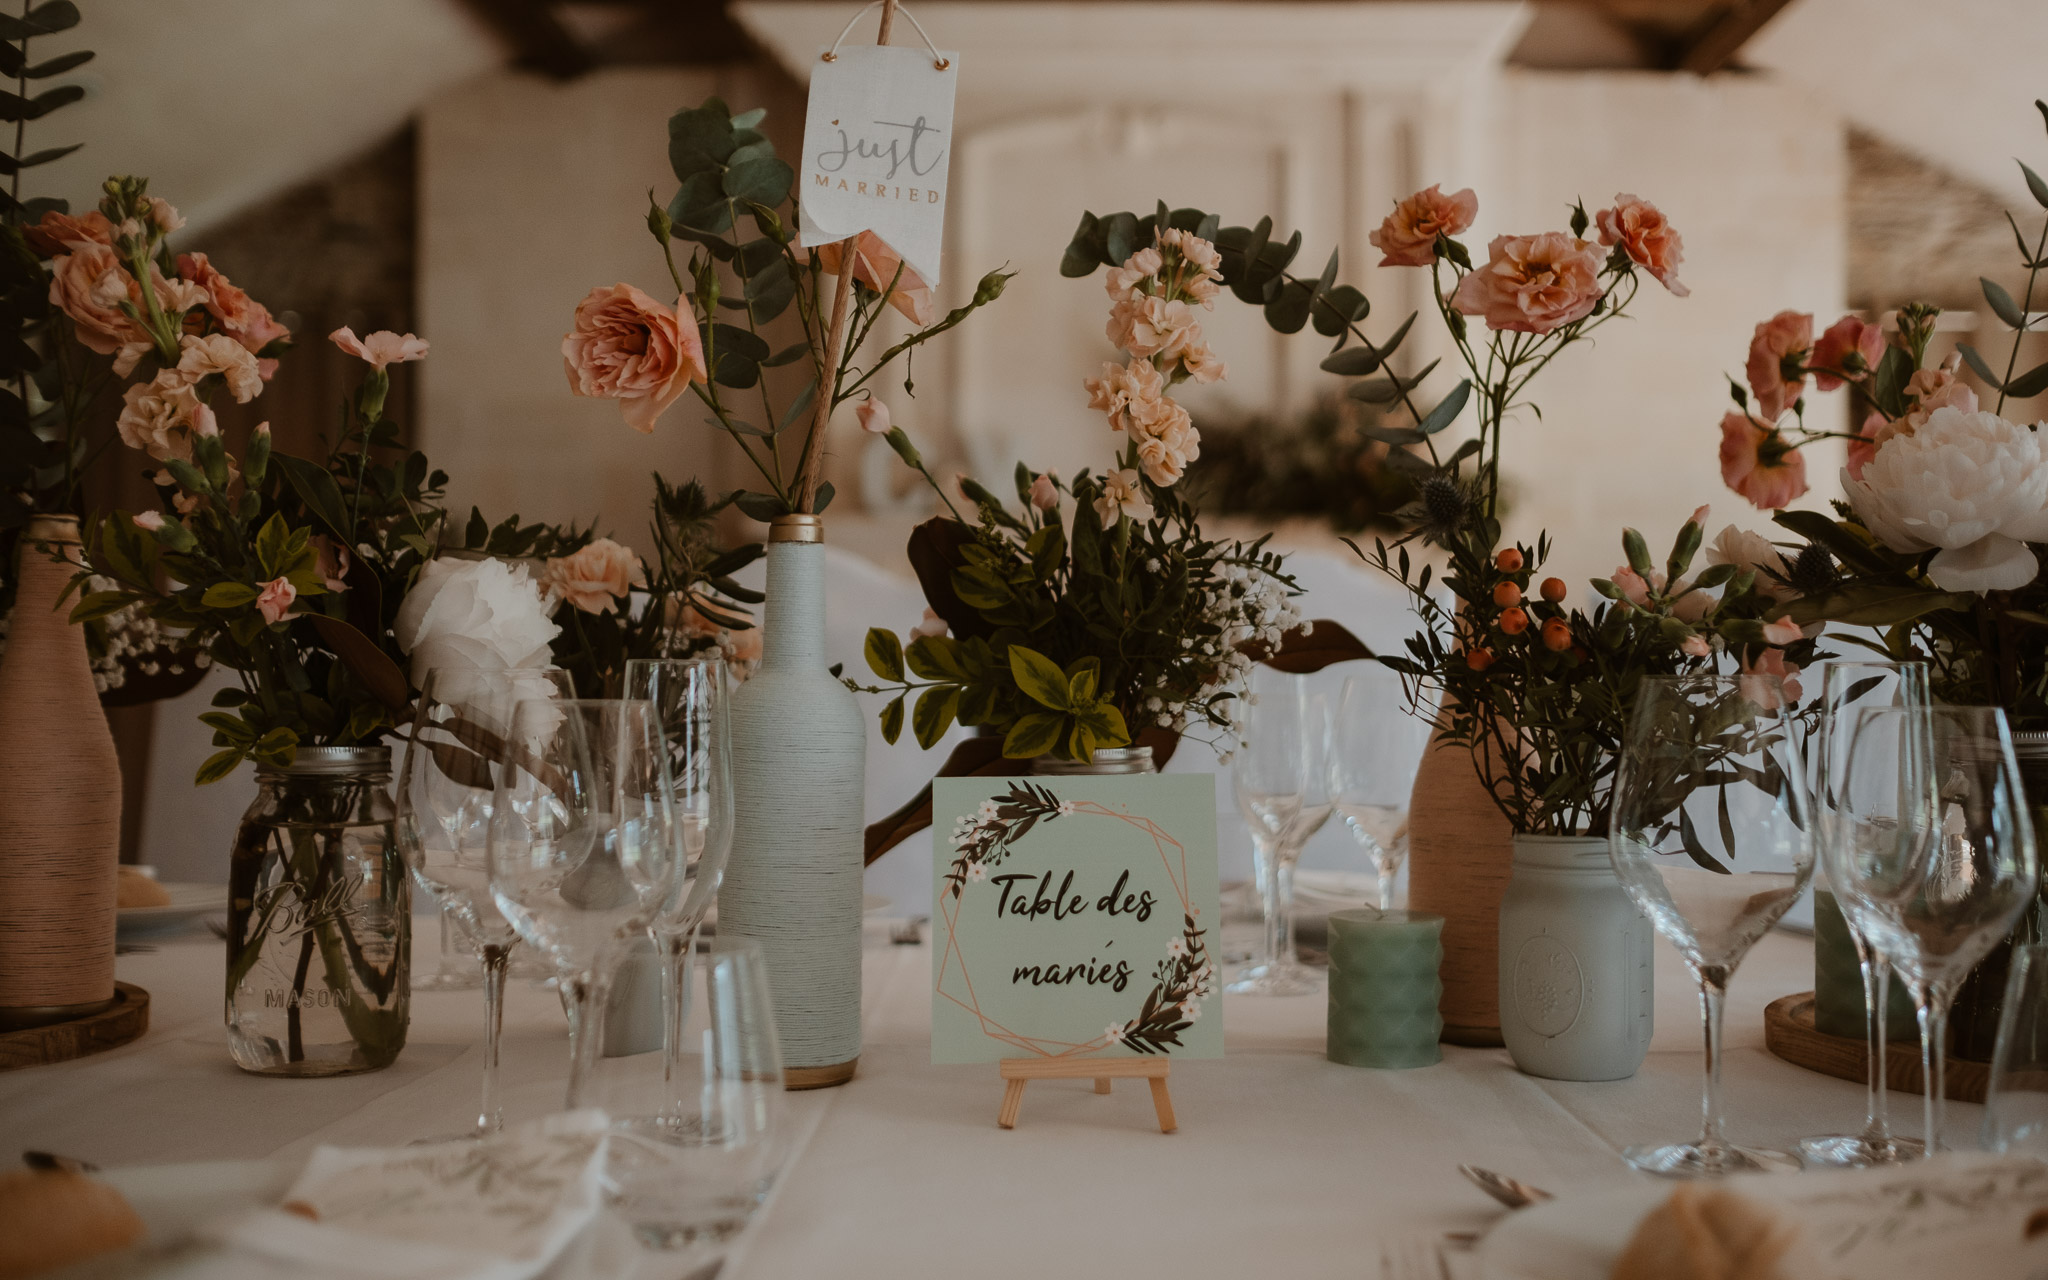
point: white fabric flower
(1972, 484)
(1114, 1033)
(474, 614)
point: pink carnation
(380, 348)
(1777, 362)
(1758, 677)
(1864, 447)
(1758, 464)
(1646, 235)
(1848, 350)
(1533, 284)
(1408, 236)
(873, 416)
(627, 347)
(241, 317)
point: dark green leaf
(1033, 735)
(229, 595)
(2031, 383)
(934, 714)
(59, 65)
(316, 488)
(1447, 409)
(1288, 310)
(218, 765)
(1039, 677)
(822, 498)
(764, 181)
(884, 653)
(1351, 362)
(892, 720)
(760, 506)
(2002, 303)
(2035, 185)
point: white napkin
(501, 1209)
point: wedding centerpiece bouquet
(1096, 609)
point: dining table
(1283, 1162)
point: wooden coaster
(1789, 1033)
(125, 1020)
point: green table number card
(1076, 918)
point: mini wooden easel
(1017, 1071)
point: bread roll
(132, 888)
(50, 1218)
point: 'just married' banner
(1076, 917)
(878, 138)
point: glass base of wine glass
(1856, 1151)
(1279, 979)
(1700, 1160)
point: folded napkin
(499, 1209)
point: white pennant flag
(878, 139)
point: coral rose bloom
(1533, 284)
(276, 600)
(244, 319)
(60, 231)
(627, 347)
(1756, 463)
(875, 265)
(1645, 234)
(1848, 348)
(89, 284)
(1777, 362)
(1408, 236)
(595, 577)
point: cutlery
(1511, 1192)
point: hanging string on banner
(889, 184)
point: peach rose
(1646, 235)
(1533, 284)
(1777, 362)
(89, 284)
(1849, 349)
(1864, 447)
(160, 417)
(380, 348)
(59, 231)
(1408, 236)
(218, 353)
(627, 347)
(276, 600)
(875, 265)
(873, 416)
(596, 577)
(243, 318)
(1758, 464)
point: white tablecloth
(1285, 1163)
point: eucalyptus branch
(2026, 314)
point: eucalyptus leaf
(2002, 303)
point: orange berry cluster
(1514, 617)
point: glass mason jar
(1973, 1023)
(1107, 760)
(319, 919)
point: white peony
(477, 614)
(1972, 484)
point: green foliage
(1327, 464)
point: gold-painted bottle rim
(796, 528)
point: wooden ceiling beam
(539, 40)
(1716, 46)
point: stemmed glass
(1282, 780)
(2016, 1101)
(689, 700)
(585, 845)
(445, 791)
(1849, 687)
(1376, 749)
(1710, 838)
(1945, 857)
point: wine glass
(1282, 781)
(688, 1181)
(1710, 838)
(1850, 686)
(1945, 859)
(689, 699)
(585, 845)
(452, 755)
(2016, 1102)
(1376, 748)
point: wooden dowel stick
(828, 376)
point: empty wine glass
(1709, 836)
(1945, 859)
(445, 787)
(584, 846)
(1376, 748)
(689, 1179)
(2016, 1102)
(1849, 687)
(689, 700)
(1282, 779)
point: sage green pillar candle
(1384, 988)
(1838, 1004)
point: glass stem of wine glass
(497, 958)
(1388, 864)
(1877, 974)
(677, 950)
(1276, 894)
(1932, 1004)
(587, 991)
(1713, 995)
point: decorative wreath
(1180, 981)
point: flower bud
(256, 459)
(658, 220)
(873, 416)
(904, 449)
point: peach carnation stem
(828, 372)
